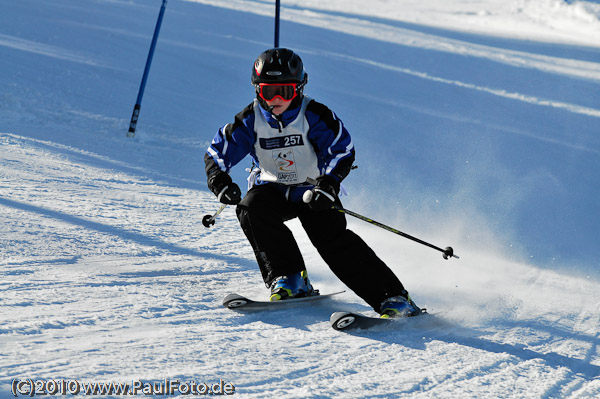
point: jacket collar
(286, 118)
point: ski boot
(399, 306)
(293, 286)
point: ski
(240, 302)
(346, 321)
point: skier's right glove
(224, 188)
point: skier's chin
(277, 107)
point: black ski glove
(224, 188)
(324, 195)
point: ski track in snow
(108, 275)
(46, 50)
(497, 92)
(412, 38)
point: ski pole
(138, 102)
(276, 41)
(448, 252)
(209, 220)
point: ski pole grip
(307, 196)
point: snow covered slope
(467, 135)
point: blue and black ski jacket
(306, 142)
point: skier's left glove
(325, 194)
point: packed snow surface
(476, 123)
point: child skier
(293, 142)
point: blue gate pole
(276, 23)
(138, 102)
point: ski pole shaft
(277, 23)
(448, 252)
(209, 220)
(138, 102)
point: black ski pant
(262, 214)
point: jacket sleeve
(231, 144)
(331, 141)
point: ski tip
(341, 320)
(233, 301)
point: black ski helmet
(279, 65)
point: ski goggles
(285, 91)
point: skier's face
(278, 95)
